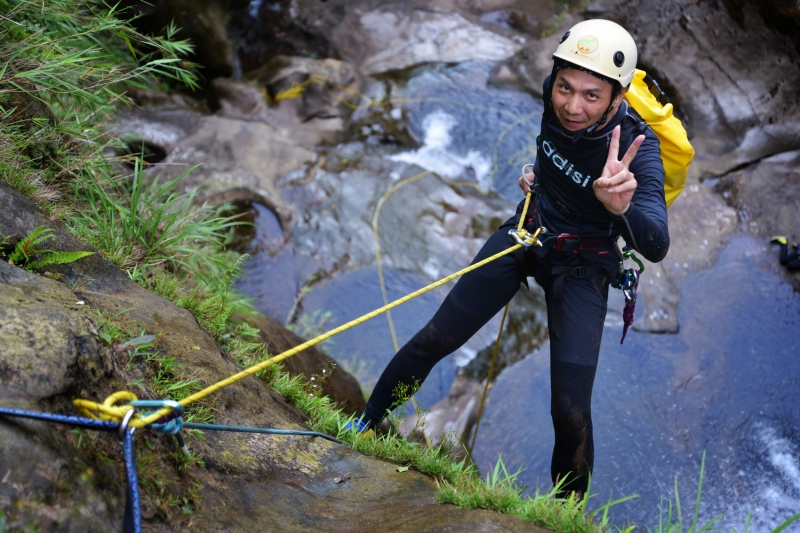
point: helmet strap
(577, 136)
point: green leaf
(402, 469)
(142, 339)
(55, 258)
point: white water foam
(434, 154)
(779, 454)
(778, 494)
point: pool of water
(728, 384)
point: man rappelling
(598, 175)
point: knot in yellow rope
(108, 410)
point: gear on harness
(628, 282)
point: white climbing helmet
(602, 47)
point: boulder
(450, 420)
(767, 196)
(313, 99)
(330, 87)
(230, 160)
(378, 38)
(736, 109)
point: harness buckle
(525, 239)
(571, 240)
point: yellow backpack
(646, 98)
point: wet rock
(250, 482)
(333, 381)
(699, 224)
(338, 200)
(330, 87)
(313, 99)
(19, 217)
(239, 160)
(450, 420)
(238, 99)
(400, 41)
(379, 39)
(766, 196)
(46, 338)
(264, 30)
(733, 104)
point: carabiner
(123, 426)
(177, 408)
(525, 239)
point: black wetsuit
(564, 203)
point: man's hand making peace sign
(616, 184)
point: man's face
(580, 99)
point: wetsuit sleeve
(644, 226)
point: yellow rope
(502, 323)
(375, 217)
(379, 262)
(489, 376)
(375, 238)
(107, 410)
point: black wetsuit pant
(475, 299)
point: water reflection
(269, 276)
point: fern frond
(56, 258)
(27, 246)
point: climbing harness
(627, 281)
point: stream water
(727, 384)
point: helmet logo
(587, 44)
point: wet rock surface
(230, 160)
(383, 36)
(53, 355)
(734, 105)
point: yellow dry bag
(676, 151)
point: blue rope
(132, 521)
(217, 427)
(79, 421)
(173, 423)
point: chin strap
(591, 129)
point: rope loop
(112, 410)
(526, 239)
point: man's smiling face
(580, 99)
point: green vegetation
(64, 71)
(29, 256)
